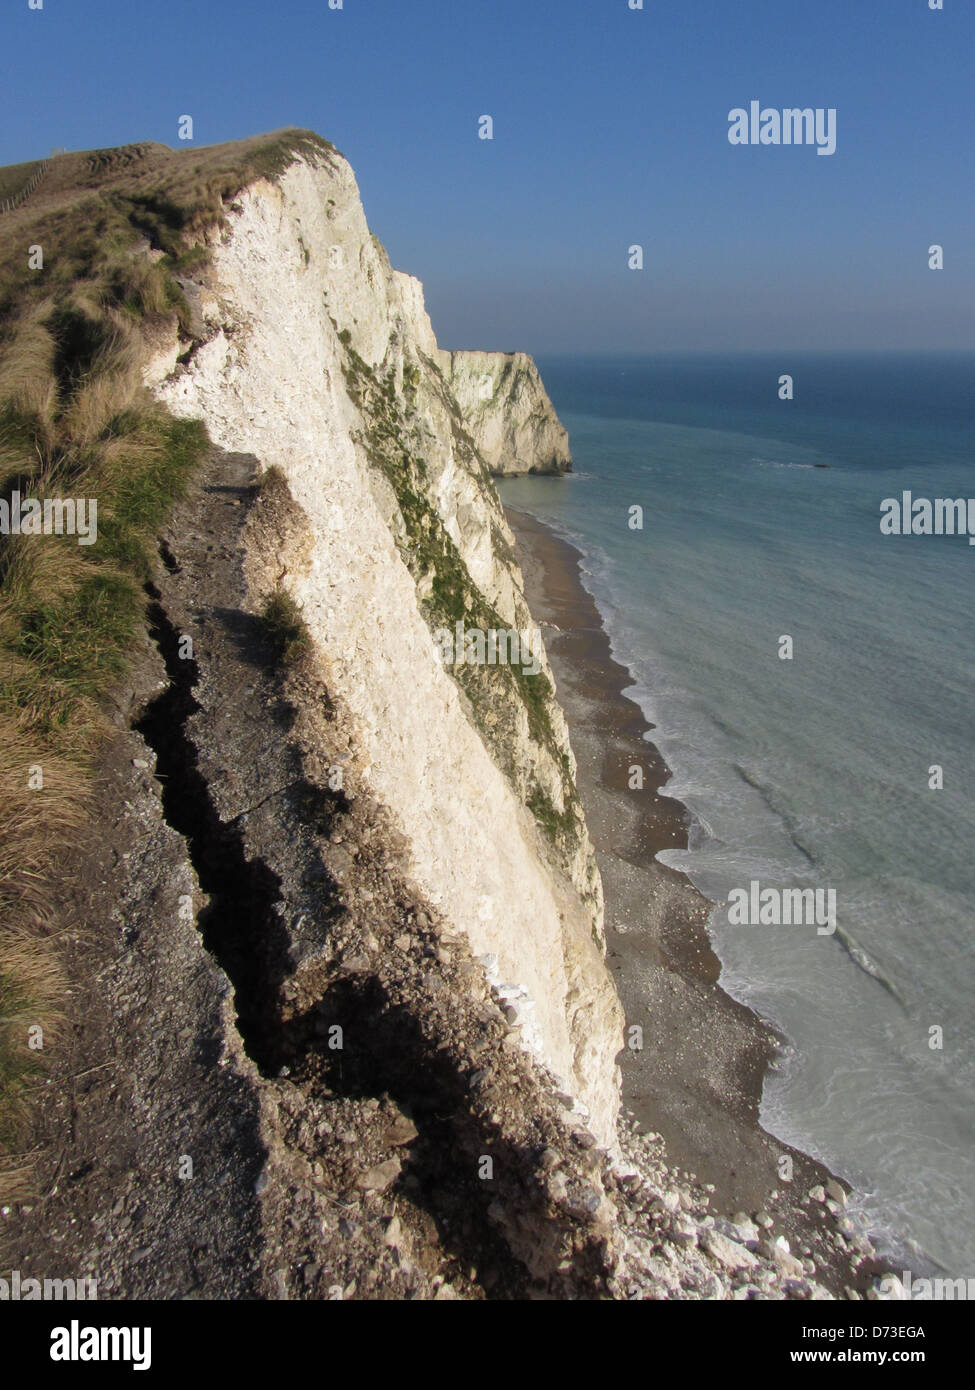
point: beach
(697, 1080)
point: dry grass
(284, 627)
(15, 177)
(41, 808)
(75, 421)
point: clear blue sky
(611, 128)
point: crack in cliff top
(241, 926)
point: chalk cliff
(318, 359)
(508, 412)
(340, 1020)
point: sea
(844, 759)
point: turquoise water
(812, 772)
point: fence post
(14, 201)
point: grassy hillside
(15, 177)
(117, 229)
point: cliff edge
(303, 900)
(346, 939)
(318, 359)
(508, 411)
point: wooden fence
(16, 199)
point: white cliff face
(508, 412)
(314, 342)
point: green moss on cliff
(451, 596)
(557, 825)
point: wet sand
(698, 1079)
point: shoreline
(697, 1082)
